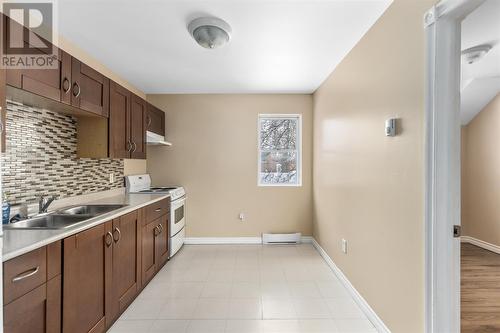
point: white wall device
(390, 127)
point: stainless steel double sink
(63, 218)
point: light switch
(390, 127)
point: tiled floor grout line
(311, 288)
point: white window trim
(299, 150)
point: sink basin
(63, 218)
(90, 210)
(52, 221)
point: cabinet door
(38, 311)
(148, 252)
(138, 114)
(119, 119)
(161, 242)
(50, 83)
(90, 89)
(87, 280)
(3, 109)
(126, 259)
(155, 120)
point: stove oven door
(177, 215)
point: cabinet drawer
(157, 210)
(24, 273)
(27, 314)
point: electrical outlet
(344, 245)
(111, 178)
(242, 217)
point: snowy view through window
(279, 143)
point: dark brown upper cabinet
(3, 109)
(53, 83)
(155, 120)
(119, 120)
(138, 121)
(71, 82)
(90, 89)
(127, 124)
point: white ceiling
(277, 46)
(481, 80)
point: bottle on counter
(5, 210)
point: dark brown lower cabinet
(126, 262)
(32, 285)
(161, 242)
(38, 311)
(148, 252)
(154, 245)
(87, 273)
(103, 269)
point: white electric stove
(141, 184)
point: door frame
(442, 163)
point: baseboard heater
(281, 238)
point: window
(279, 150)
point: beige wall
(481, 175)
(134, 167)
(214, 156)
(368, 188)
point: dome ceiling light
(476, 53)
(210, 32)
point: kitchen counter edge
(19, 242)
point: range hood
(156, 139)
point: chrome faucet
(44, 203)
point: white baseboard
(368, 311)
(307, 239)
(480, 243)
(232, 240)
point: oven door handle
(177, 203)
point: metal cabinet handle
(129, 146)
(26, 274)
(149, 122)
(161, 227)
(156, 231)
(119, 233)
(109, 239)
(135, 147)
(158, 210)
(76, 85)
(64, 83)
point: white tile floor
(244, 289)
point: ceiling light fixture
(476, 53)
(210, 32)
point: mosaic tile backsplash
(41, 158)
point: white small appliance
(141, 184)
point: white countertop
(17, 242)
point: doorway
(480, 169)
(447, 86)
